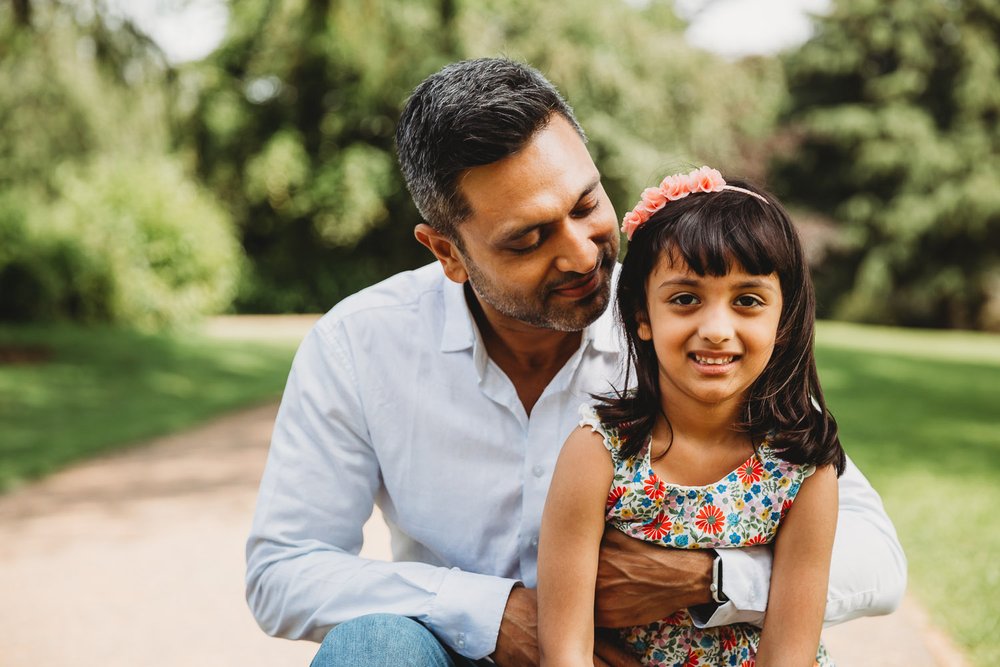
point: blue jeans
(379, 640)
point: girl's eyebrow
(694, 282)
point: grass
(919, 412)
(73, 392)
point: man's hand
(517, 641)
(639, 582)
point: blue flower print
(747, 496)
(767, 501)
(681, 541)
(731, 477)
(733, 519)
(721, 488)
(769, 465)
(734, 538)
(794, 489)
(692, 494)
(709, 497)
(755, 489)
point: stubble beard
(539, 310)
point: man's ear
(444, 249)
(644, 330)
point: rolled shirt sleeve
(867, 572)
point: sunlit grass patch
(83, 391)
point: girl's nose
(717, 326)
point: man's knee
(381, 639)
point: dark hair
(712, 232)
(469, 114)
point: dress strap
(588, 417)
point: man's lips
(581, 287)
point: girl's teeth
(716, 361)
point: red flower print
(748, 663)
(784, 508)
(728, 638)
(675, 618)
(658, 527)
(615, 494)
(692, 659)
(756, 539)
(751, 471)
(709, 520)
(654, 488)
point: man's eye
(584, 210)
(748, 301)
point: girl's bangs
(741, 232)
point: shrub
(130, 242)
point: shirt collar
(459, 331)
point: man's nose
(578, 250)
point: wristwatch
(716, 586)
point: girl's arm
(799, 577)
(570, 540)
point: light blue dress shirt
(392, 400)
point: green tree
(98, 221)
(895, 108)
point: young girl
(724, 430)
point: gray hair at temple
(469, 114)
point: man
(444, 394)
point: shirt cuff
(746, 577)
(467, 611)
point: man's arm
(867, 573)
(318, 489)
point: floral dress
(743, 508)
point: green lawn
(919, 412)
(67, 393)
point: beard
(543, 308)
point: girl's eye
(684, 299)
(748, 301)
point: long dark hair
(712, 232)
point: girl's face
(713, 336)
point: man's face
(542, 240)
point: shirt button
(538, 471)
(460, 640)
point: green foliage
(100, 224)
(895, 105)
(110, 388)
(126, 242)
(295, 114)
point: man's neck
(530, 356)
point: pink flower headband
(672, 188)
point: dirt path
(137, 559)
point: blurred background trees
(895, 115)
(262, 178)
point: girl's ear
(644, 330)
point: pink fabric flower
(672, 188)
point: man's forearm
(639, 582)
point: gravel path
(137, 559)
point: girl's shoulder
(775, 466)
